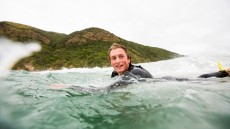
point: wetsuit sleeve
(219, 74)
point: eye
(121, 56)
(113, 58)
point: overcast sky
(184, 26)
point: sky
(189, 27)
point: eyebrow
(118, 55)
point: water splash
(11, 52)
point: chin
(120, 71)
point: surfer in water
(126, 72)
(120, 60)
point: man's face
(119, 60)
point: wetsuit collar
(114, 73)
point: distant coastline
(85, 48)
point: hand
(228, 71)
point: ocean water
(28, 102)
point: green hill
(85, 48)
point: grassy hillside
(86, 48)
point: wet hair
(116, 45)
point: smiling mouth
(119, 66)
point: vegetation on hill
(86, 48)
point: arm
(219, 74)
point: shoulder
(140, 71)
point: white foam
(79, 70)
(190, 66)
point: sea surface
(28, 102)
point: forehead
(117, 51)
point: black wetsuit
(136, 70)
(219, 74)
(132, 75)
(137, 73)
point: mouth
(119, 66)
